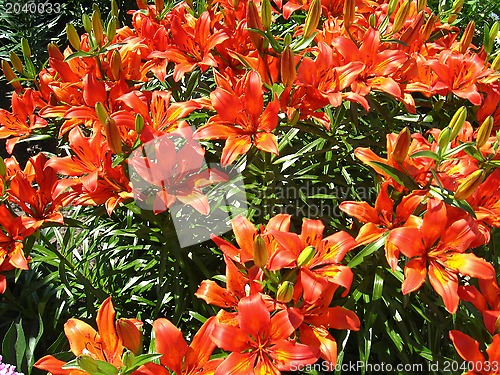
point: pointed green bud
(102, 113)
(97, 27)
(139, 124)
(87, 364)
(285, 292)
(111, 29)
(306, 256)
(3, 168)
(457, 122)
(312, 18)
(128, 358)
(484, 132)
(25, 47)
(444, 138)
(470, 184)
(114, 8)
(288, 39)
(259, 252)
(73, 37)
(392, 6)
(16, 62)
(266, 14)
(87, 24)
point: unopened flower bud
(295, 117)
(306, 256)
(111, 29)
(3, 168)
(392, 6)
(470, 184)
(349, 13)
(139, 124)
(114, 8)
(16, 62)
(128, 358)
(73, 37)
(312, 18)
(421, 5)
(489, 39)
(113, 136)
(25, 47)
(102, 114)
(97, 28)
(466, 38)
(287, 40)
(55, 52)
(285, 292)
(455, 10)
(402, 146)
(288, 72)
(130, 335)
(10, 75)
(116, 64)
(495, 65)
(87, 23)
(372, 20)
(401, 15)
(457, 122)
(444, 138)
(259, 252)
(159, 5)
(484, 132)
(87, 364)
(429, 27)
(254, 22)
(266, 14)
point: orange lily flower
(176, 175)
(318, 318)
(468, 349)
(458, 73)
(240, 119)
(382, 218)
(97, 181)
(323, 267)
(42, 204)
(105, 344)
(487, 301)
(191, 43)
(441, 244)
(13, 230)
(180, 358)
(22, 121)
(260, 343)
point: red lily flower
(42, 204)
(13, 230)
(105, 345)
(441, 244)
(487, 301)
(260, 343)
(240, 119)
(381, 219)
(458, 73)
(468, 349)
(324, 266)
(22, 121)
(180, 358)
(176, 175)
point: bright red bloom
(240, 118)
(260, 344)
(441, 245)
(181, 358)
(104, 345)
(468, 349)
(324, 267)
(21, 122)
(41, 203)
(175, 175)
(13, 230)
(382, 218)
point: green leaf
(425, 154)
(447, 197)
(20, 344)
(78, 54)
(368, 250)
(397, 175)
